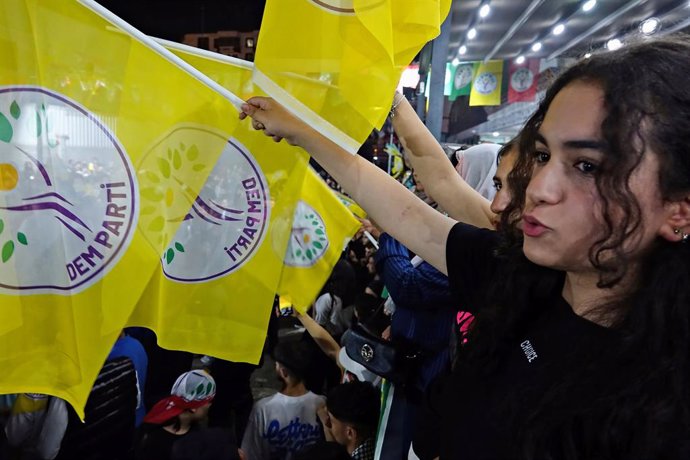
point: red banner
(522, 85)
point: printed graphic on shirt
(292, 437)
(218, 230)
(68, 195)
(308, 240)
(529, 351)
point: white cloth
(281, 425)
(37, 424)
(330, 313)
(477, 166)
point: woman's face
(503, 195)
(563, 218)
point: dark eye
(586, 167)
(498, 185)
(541, 156)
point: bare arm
(396, 210)
(436, 172)
(320, 335)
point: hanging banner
(522, 84)
(462, 79)
(486, 86)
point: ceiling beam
(608, 20)
(514, 28)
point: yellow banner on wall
(486, 87)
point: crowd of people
(540, 309)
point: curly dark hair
(632, 400)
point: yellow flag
(321, 228)
(221, 270)
(486, 87)
(350, 204)
(105, 143)
(336, 63)
(396, 163)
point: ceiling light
(614, 44)
(589, 4)
(588, 55)
(536, 47)
(520, 60)
(462, 50)
(650, 26)
(484, 10)
(472, 33)
(558, 29)
(456, 61)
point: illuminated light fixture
(462, 50)
(559, 29)
(614, 44)
(484, 10)
(588, 55)
(456, 61)
(536, 47)
(589, 5)
(650, 26)
(496, 133)
(472, 33)
(520, 60)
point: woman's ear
(677, 225)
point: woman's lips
(532, 227)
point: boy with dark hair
(286, 422)
(351, 416)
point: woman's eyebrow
(579, 144)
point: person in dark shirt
(174, 417)
(580, 347)
(350, 418)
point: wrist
(397, 100)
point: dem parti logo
(67, 194)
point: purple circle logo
(336, 6)
(212, 233)
(68, 197)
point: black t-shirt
(156, 443)
(478, 414)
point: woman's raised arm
(441, 181)
(392, 206)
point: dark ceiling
(533, 20)
(171, 19)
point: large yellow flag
(220, 272)
(336, 63)
(486, 87)
(321, 228)
(106, 143)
